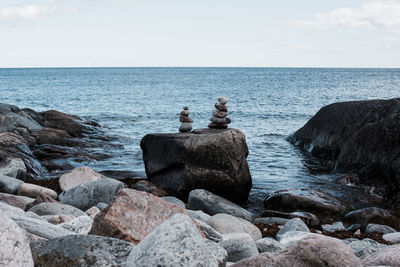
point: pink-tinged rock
(57, 219)
(16, 201)
(133, 215)
(33, 190)
(93, 211)
(41, 198)
(389, 256)
(78, 176)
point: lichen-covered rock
(238, 246)
(78, 176)
(13, 167)
(209, 232)
(295, 224)
(365, 247)
(268, 244)
(80, 225)
(389, 256)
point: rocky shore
(177, 217)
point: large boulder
(33, 190)
(366, 247)
(133, 215)
(358, 137)
(81, 250)
(78, 176)
(13, 167)
(389, 256)
(368, 215)
(16, 201)
(177, 242)
(392, 237)
(210, 159)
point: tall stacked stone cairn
(219, 120)
(186, 120)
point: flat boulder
(392, 237)
(33, 190)
(389, 256)
(80, 225)
(133, 215)
(13, 167)
(368, 215)
(49, 208)
(16, 201)
(308, 218)
(9, 185)
(366, 247)
(78, 176)
(210, 159)
(379, 228)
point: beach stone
(354, 227)
(333, 227)
(222, 100)
(33, 190)
(149, 187)
(268, 244)
(291, 237)
(199, 215)
(209, 232)
(42, 198)
(49, 208)
(14, 246)
(221, 107)
(175, 201)
(295, 224)
(16, 201)
(78, 176)
(57, 219)
(217, 120)
(217, 126)
(185, 108)
(10, 210)
(13, 167)
(92, 212)
(308, 218)
(392, 237)
(327, 208)
(80, 225)
(389, 256)
(313, 250)
(102, 205)
(227, 224)
(349, 240)
(239, 246)
(177, 242)
(384, 229)
(81, 250)
(366, 247)
(9, 185)
(200, 199)
(133, 215)
(185, 119)
(34, 216)
(185, 127)
(367, 215)
(210, 159)
(271, 220)
(219, 114)
(185, 113)
(86, 195)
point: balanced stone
(186, 120)
(220, 114)
(219, 120)
(221, 107)
(222, 100)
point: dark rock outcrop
(360, 137)
(210, 159)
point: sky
(220, 33)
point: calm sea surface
(267, 104)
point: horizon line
(232, 67)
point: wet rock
(177, 242)
(78, 176)
(149, 187)
(58, 120)
(239, 246)
(80, 225)
(212, 204)
(214, 160)
(92, 212)
(366, 247)
(14, 246)
(32, 190)
(199, 215)
(48, 208)
(9, 185)
(384, 229)
(271, 220)
(209, 232)
(227, 224)
(175, 201)
(16, 201)
(392, 237)
(308, 218)
(333, 227)
(367, 215)
(354, 227)
(324, 206)
(389, 256)
(295, 224)
(268, 244)
(81, 250)
(13, 167)
(133, 215)
(57, 219)
(85, 196)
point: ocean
(267, 104)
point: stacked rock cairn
(186, 121)
(219, 120)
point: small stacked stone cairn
(186, 121)
(219, 120)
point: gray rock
(268, 244)
(102, 205)
(392, 237)
(295, 224)
(199, 215)
(57, 219)
(16, 201)
(93, 211)
(227, 224)
(209, 232)
(354, 227)
(239, 246)
(81, 250)
(11, 210)
(33, 190)
(85, 196)
(367, 215)
(177, 242)
(80, 225)
(34, 216)
(185, 127)
(384, 229)
(270, 220)
(212, 204)
(13, 167)
(53, 208)
(349, 240)
(78, 176)
(333, 227)
(389, 256)
(11, 121)
(308, 218)
(175, 201)
(292, 237)
(9, 185)
(366, 247)
(14, 246)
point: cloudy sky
(253, 33)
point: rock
(175, 201)
(354, 227)
(102, 206)
(392, 237)
(389, 256)
(10, 210)
(271, 220)
(365, 247)
(308, 218)
(9, 185)
(209, 232)
(199, 215)
(57, 219)
(33, 190)
(14, 246)
(149, 187)
(81, 250)
(367, 215)
(58, 120)
(221, 107)
(133, 215)
(358, 137)
(212, 204)
(13, 167)
(384, 229)
(185, 113)
(349, 240)
(291, 237)
(34, 216)
(337, 226)
(239, 246)
(268, 245)
(80, 225)
(41, 198)
(219, 114)
(214, 160)
(295, 224)
(217, 126)
(92, 212)
(217, 120)
(185, 119)
(324, 206)
(176, 242)
(78, 176)
(314, 250)
(85, 196)
(16, 201)
(185, 127)
(222, 100)
(227, 224)
(56, 209)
